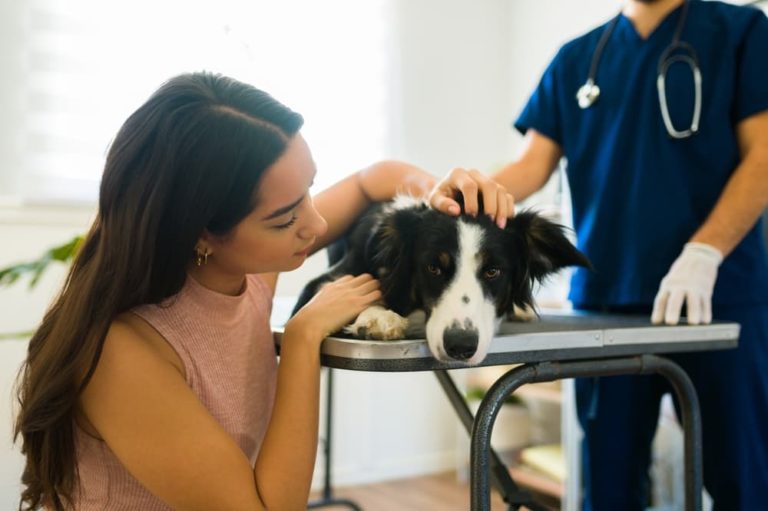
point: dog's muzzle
(460, 343)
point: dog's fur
(464, 273)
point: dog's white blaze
(402, 201)
(463, 299)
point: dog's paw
(527, 313)
(378, 323)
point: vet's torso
(638, 195)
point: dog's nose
(460, 343)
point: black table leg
(549, 371)
(328, 499)
(502, 480)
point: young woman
(152, 382)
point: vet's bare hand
(335, 305)
(497, 203)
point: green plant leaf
(61, 253)
(16, 335)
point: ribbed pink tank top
(226, 346)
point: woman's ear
(206, 243)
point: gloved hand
(691, 279)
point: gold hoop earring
(201, 258)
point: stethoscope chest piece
(588, 94)
(677, 51)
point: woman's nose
(316, 225)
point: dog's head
(464, 272)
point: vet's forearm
(518, 180)
(741, 203)
(745, 195)
(532, 169)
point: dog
(463, 274)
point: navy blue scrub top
(638, 195)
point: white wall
(449, 82)
(464, 71)
(25, 233)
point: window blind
(89, 63)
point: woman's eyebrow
(283, 210)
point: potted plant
(34, 269)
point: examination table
(556, 346)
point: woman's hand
(497, 203)
(335, 305)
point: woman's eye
(491, 273)
(288, 223)
(434, 270)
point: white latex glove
(691, 279)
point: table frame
(605, 345)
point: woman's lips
(305, 250)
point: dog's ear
(546, 249)
(547, 246)
(389, 252)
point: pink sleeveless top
(226, 346)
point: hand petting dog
(471, 184)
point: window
(86, 65)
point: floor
(435, 492)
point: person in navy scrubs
(667, 189)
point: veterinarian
(152, 382)
(667, 161)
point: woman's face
(278, 233)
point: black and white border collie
(465, 273)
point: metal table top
(554, 337)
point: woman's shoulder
(130, 333)
(132, 357)
(127, 345)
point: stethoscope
(589, 92)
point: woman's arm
(343, 202)
(287, 458)
(139, 403)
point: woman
(152, 382)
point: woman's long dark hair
(189, 159)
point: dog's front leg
(378, 322)
(524, 314)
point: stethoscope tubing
(588, 93)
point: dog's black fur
(415, 252)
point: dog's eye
(491, 273)
(434, 269)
